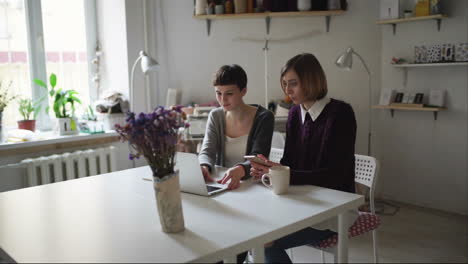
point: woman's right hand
(257, 170)
(206, 173)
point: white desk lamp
(148, 64)
(345, 61)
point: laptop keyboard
(211, 188)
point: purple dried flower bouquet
(154, 135)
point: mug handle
(269, 179)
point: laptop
(191, 176)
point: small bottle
(228, 7)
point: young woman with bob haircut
(319, 148)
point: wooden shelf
(272, 14)
(409, 65)
(394, 22)
(435, 110)
(268, 15)
(410, 19)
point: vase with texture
(169, 202)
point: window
(69, 35)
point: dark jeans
(277, 252)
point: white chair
(276, 154)
(366, 171)
(277, 141)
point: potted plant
(63, 106)
(90, 123)
(154, 135)
(26, 108)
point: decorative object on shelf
(407, 13)
(240, 6)
(398, 97)
(334, 5)
(435, 7)
(200, 6)
(304, 5)
(259, 6)
(420, 54)
(418, 98)
(219, 9)
(228, 7)
(154, 136)
(437, 98)
(389, 9)
(148, 64)
(111, 109)
(63, 106)
(210, 8)
(26, 108)
(461, 52)
(422, 8)
(250, 6)
(433, 53)
(396, 60)
(319, 5)
(447, 53)
(345, 61)
(406, 98)
(387, 96)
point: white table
(113, 218)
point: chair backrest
(277, 141)
(276, 154)
(366, 171)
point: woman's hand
(257, 170)
(234, 174)
(206, 173)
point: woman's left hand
(234, 174)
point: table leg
(258, 254)
(342, 238)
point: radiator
(68, 166)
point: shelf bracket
(208, 26)
(267, 24)
(435, 115)
(439, 21)
(394, 29)
(327, 23)
(392, 112)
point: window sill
(49, 141)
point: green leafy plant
(27, 107)
(5, 97)
(89, 114)
(62, 98)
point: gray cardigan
(259, 140)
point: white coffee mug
(279, 179)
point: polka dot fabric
(366, 222)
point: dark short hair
(230, 75)
(311, 75)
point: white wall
(193, 56)
(424, 162)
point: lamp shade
(345, 60)
(148, 63)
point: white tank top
(235, 150)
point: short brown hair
(230, 75)
(311, 75)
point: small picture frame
(406, 98)
(387, 96)
(437, 98)
(398, 97)
(389, 9)
(418, 98)
(411, 97)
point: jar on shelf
(240, 6)
(304, 5)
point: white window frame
(36, 52)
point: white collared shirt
(315, 109)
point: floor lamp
(345, 61)
(148, 64)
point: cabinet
(269, 15)
(438, 18)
